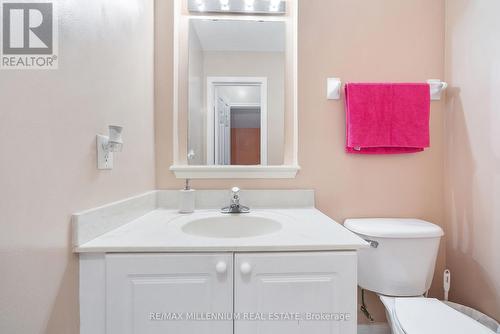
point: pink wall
(48, 123)
(473, 153)
(358, 40)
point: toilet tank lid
(393, 228)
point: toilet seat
(418, 315)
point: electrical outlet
(104, 158)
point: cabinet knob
(245, 268)
(221, 267)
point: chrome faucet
(235, 206)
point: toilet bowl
(399, 267)
(419, 315)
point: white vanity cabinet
(311, 285)
(155, 293)
(142, 293)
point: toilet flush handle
(373, 243)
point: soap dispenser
(186, 199)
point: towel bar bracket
(437, 88)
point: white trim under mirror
(235, 172)
(180, 165)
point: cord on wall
(446, 283)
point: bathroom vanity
(282, 268)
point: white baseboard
(375, 328)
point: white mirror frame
(180, 166)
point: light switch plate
(104, 158)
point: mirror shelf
(235, 172)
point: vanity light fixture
(107, 145)
(243, 7)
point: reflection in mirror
(238, 112)
(236, 92)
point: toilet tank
(402, 256)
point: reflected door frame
(222, 131)
(212, 140)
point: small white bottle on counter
(187, 199)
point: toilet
(399, 267)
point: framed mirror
(235, 110)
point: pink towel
(387, 118)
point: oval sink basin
(231, 226)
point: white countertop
(304, 229)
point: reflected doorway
(237, 121)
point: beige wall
(473, 153)
(48, 123)
(357, 40)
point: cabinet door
(295, 293)
(156, 293)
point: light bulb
(224, 4)
(249, 4)
(275, 5)
(201, 5)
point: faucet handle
(235, 192)
(235, 196)
(235, 206)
